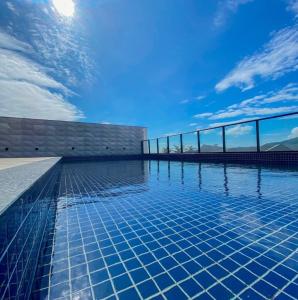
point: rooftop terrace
(116, 217)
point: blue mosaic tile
(99, 276)
(129, 294)
(234, 284)
(220, 292)
(80, 283)
(122, 282)
(103, 290)
(147, 288)
(178, 273)
(155, 269)
(83, 294)
(205, 279)
(22, 227)
(139, 275)
(191, 287)
(175, 293)
(265, 289)
(163, 281)
(123, 230)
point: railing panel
(241, 137)
(276, 133)
(153, 146)
(279, 134)
(145, 147)
(163, 147)
(190, 142)
(175, 144)
(211, 140)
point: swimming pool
(170, 230)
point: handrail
(223, 127)
(227, 124)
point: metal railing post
(223, 138)
(258, 135)
(149, 147)
(199, 141)
(168, 144)
(157, 146)
(181, 143)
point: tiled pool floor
(140, 230)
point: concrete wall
(22, 137)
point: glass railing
(241, 137)
(211, 140)
(276, 133)
(163, 145)
(174, 143)
(279, 134)
(153, 146)
(190, 142)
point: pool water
(171, 230)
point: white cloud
(278, 57)
(26, 90)
(252, 111)
(293, 7)
(11, 7)
(200, 97)
(16, 67)
(24, 99)
(59, 43)
(184, 101)
(203, 115)
(225, 9)
(193, 124)
(290, 117)
(229, 123)
(294, 133)
(206, 132)
(259, 105)
(239, 130)
(105, 123)
(10, 43)
(170, 134)
(222, 114)
(289, 93)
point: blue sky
(169, 65)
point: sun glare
(64, 7)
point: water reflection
(91, 182)
(232, 180)
(182, 172)
(118, 212)
(259, 183)
(200, 176)
(226, 182)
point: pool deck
(19, 174)
(6, 163)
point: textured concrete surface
(31, 137)
(15, 179)
(6, 163)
